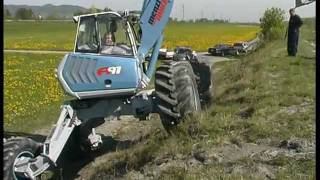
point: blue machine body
(81, 72)
(92, 75)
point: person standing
(295, 23)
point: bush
(272, 23)
(24, 13)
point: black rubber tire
(176, 91)
(204, 76)
(13, 148)
(207, 96)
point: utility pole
(183, 12)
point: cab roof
(76, 18)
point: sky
(234, 10)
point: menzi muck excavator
(114, 58)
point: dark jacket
(295, 23)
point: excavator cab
(106, 34)
(104, 62)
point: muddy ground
(122, 134)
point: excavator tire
(14, 148)
(176, 91)
(205, 82)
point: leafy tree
(191, 21)
(220, 21)
(6, 14)
(78, 12)
(202, 20)
(106, 9)
(54, 16)
(93, 9)
(24, 13)
(272, 23)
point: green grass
(201, 36)
(39, 35)
(32, 94)
(61, 35)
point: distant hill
(65, 11)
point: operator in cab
(109, 44)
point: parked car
(162, 53)
(242, 47)
(222, 50)
(184, 53)
(165, 54)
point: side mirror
(76, 19)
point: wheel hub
(22, 158)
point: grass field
(39, 35)
(201, 36)
(30, 90)
(60, 35)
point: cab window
(114, 36)
(87, 40)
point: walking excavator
(115, 57)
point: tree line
(22, 13)
(204, 20)
(28, 14)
